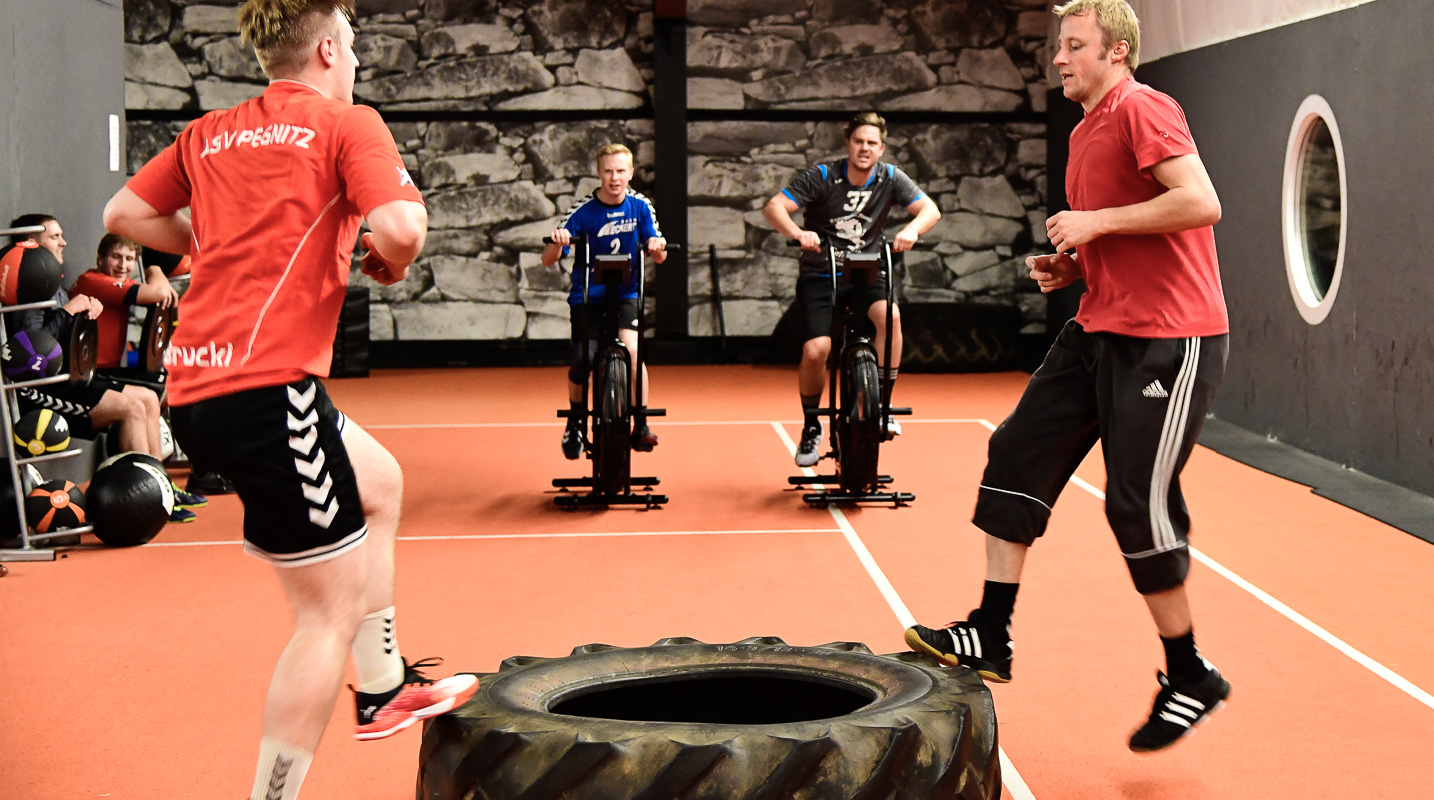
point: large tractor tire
(683, 720)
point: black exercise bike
(857, 415)
(612, 373)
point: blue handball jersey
(611, 229)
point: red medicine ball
(28, 274)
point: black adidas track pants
(1145, 401)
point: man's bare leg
(327, 601)
(127, 414)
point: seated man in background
(110, 283)
(132, 410)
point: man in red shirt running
(277, 187)
(1136, 369)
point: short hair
(283, 33)
(866, 118)
(27, 221)
(612, 149)
(1117, 23)
(110, 241)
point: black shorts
(282, 448)
(75, 401)
(1145, 401)
(814, 298)
(597, 314)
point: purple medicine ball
(31, 355)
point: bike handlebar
(580, 238)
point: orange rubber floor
(139, 673)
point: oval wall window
(1313, 209)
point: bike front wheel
(612, 423)
(860, 422)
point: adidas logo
(1155, 390)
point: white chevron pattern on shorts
(304, 445)
(320, 484)
(302, 400)
(53, 403)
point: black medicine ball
(129, 499)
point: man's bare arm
(127, 214)
(1189, 202)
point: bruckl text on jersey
(277, 133)
(210, 355)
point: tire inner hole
(748, 699)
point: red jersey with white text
(1154, 286)
(277, 187)
(116, 295)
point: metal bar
(717, 298)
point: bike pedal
(900, 411)
(568, 413)
(652, 412)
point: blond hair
(284, 33)
(612, 149)
(866, 118)
(1117, 23)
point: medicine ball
(28, 274)
(42, 431)
(129, 499)
(31, 355)
(55, 505)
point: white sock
(376, 657)
(282, 767)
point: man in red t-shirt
(110, 283)
(1136, 369)
(277, 187)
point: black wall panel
(1358, 388)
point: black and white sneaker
(968, 644)
(1179, 707)
(807, 451)
(572, 442)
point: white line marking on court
(665, 423)
(1009, 776)
(1398, 681)
(582, 535)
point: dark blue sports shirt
(611, 229)
(853, 217)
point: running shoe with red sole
(417, 698)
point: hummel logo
(404, 179)
(278, 778)
(368, 713)
(1155, 390)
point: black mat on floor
(1393, 505)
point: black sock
(998, 601)
(810, 403)
(1182, 658)
(888, 381)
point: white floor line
(1398, 681)
(582, 535)
(557, 423)
(1009, 776)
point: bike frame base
(826, 497)
(568, 501)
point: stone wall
(413, 54)
(495, 188)
(988, 179)
(906, 55)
